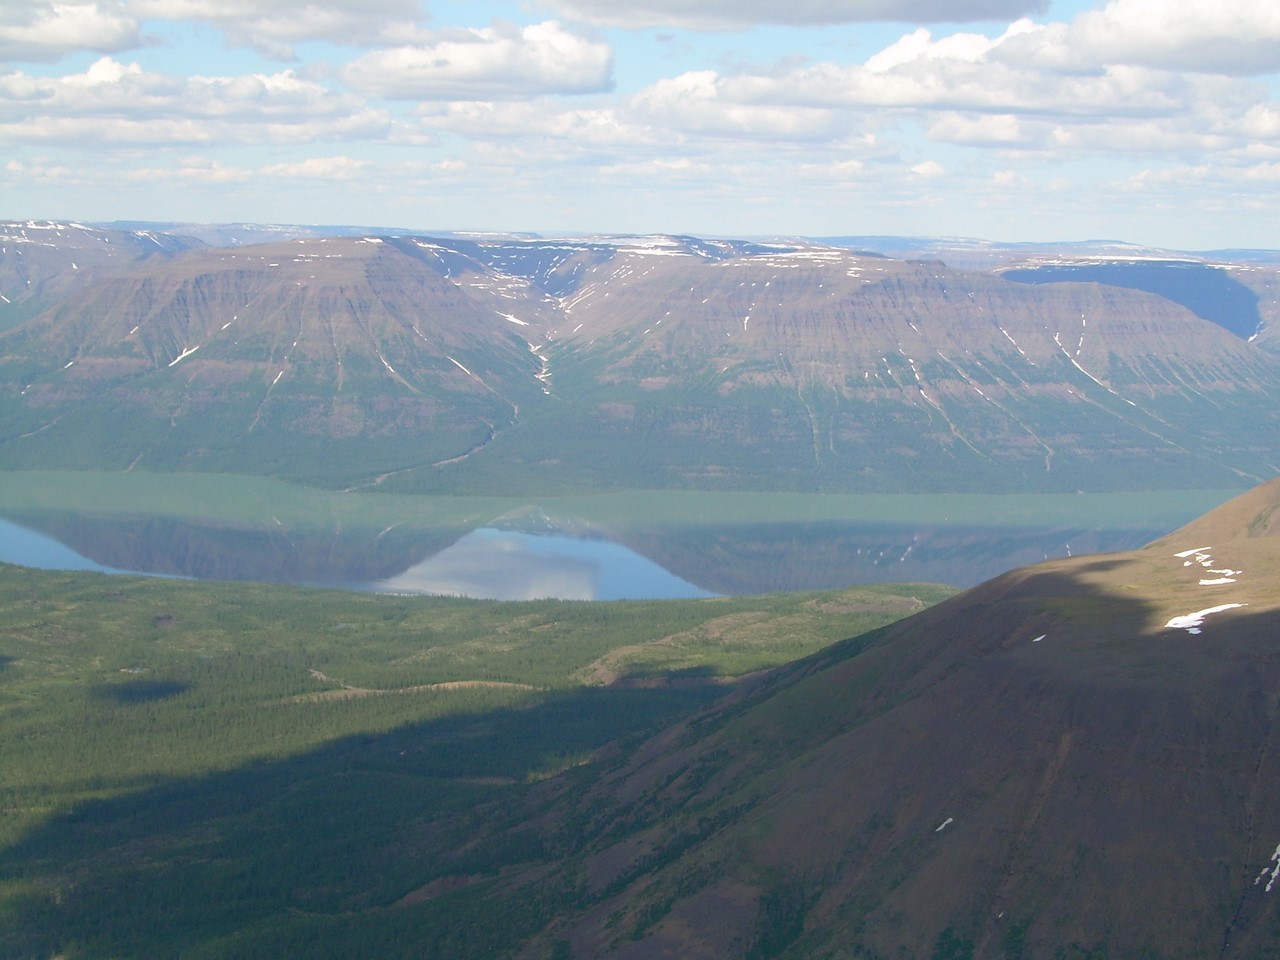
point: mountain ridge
(527, 365)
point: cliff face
(538, 365)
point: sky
(1150, 121)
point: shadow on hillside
(315, 848)
(408, 843)
(137, 691)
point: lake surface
(30, 548)
(507, 565)
(643, 545)
(501, 564)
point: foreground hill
(523, 365)
(1074, 759)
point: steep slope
(1074, 759)
(816, 368)
(337, 360)
(43, 261)
(509, 365)
(1209, 291)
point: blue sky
(1154, 121)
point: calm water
(485, 563)
(680, 562)
(506, 565)
(29, 548)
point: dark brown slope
(1050, 764)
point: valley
(817, 432)
(723, 777)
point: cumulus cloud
(1234, 37)
(964, 72)
(739, 14)
(122, 103)
(272, 26)
(699, 103)
(47, 31)
(504, 62)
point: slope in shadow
(1209, 292)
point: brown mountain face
(525, 365)
(278, 358)
(1074, 759)
(849, 371)
(42, 261)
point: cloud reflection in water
(504, 565)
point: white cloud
(538, 120)
(964, 72)
(700, 104)
(118, 103)
(503, 62)
(739, 14)
(1234, 37)
(47, 31)
(992, 129)
(199, 170)
(272, 26)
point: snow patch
(1191, 622)
(1269, 869)
(184, 354)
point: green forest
(241, 770)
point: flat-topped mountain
(515, 364)
(42, 261)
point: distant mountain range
(513, 364)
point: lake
(636, 546)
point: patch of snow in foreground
(945, 823)
(1186, 553)
(1274, 871)
(1039, 638)
(1191, 622)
